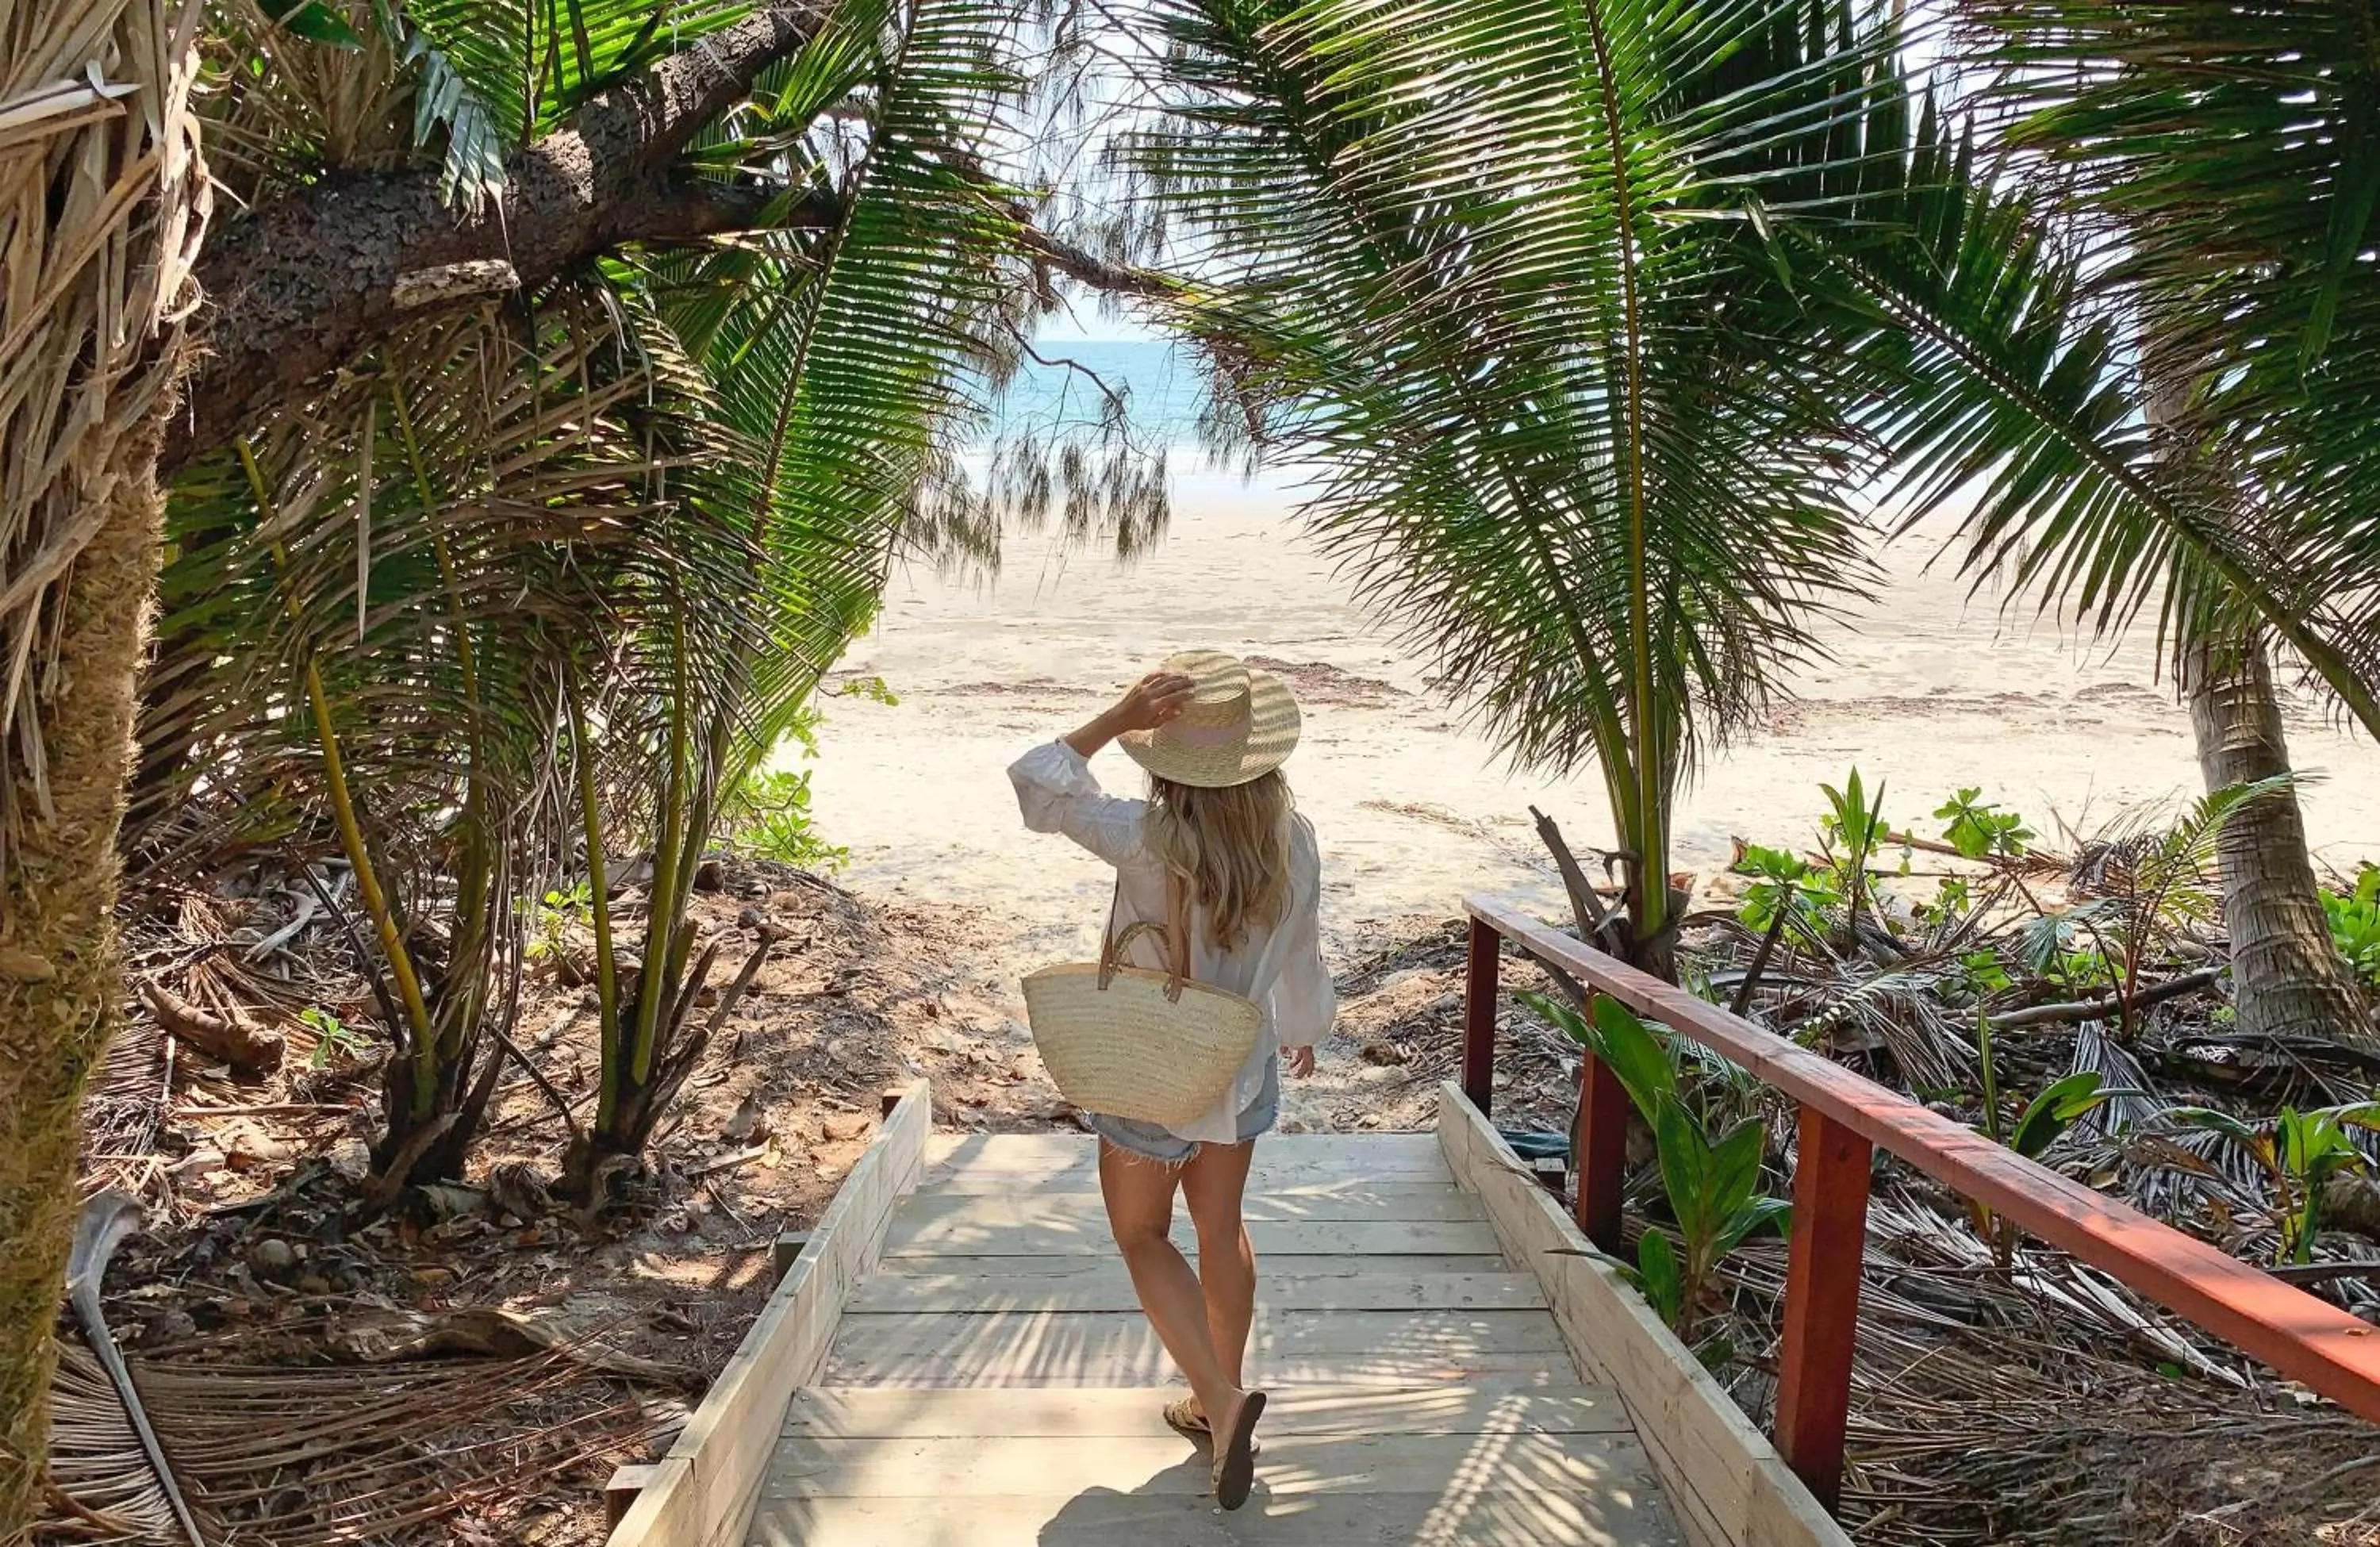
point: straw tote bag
(1153, 1047)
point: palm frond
(1496, 269)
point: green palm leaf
(1499, 268)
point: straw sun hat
(1239, 725)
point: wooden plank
(1292, 1181)
(995, 1269)
(1291, 1160)
(1087, 1237)
(1352, 1200)
(725, 1445)
(1025, 1150)
(626, 1485)
(1106, 1516)
(1479, 972)
(1108, 1288)
(667, 1511)
(2305, 1338)
(879, 1412)
(980, 1466)
(1119, 1348)
(1822, 1296)
(1602, 1160)
(1726, 1483)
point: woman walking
(1218, 822)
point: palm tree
(103, 198)
(567, 368)
(580, 563)
(2187, 400)
(1515, 278)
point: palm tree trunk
(2287, 979)
(59, 970)
(101, 214)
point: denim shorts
(1151, 1142)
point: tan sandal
(1234, 1470)
(1185, 1419)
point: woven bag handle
(1175, 930)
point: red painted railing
(1843, 1119)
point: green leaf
(1635, 1054)
(1658, 1274)
(1686, 1167)
(1755, 1215)
(2048, 1114)
(313, 20)
(1735, 1167)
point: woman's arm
(1057, 792)
(1145, 705)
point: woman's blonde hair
(1231, 845)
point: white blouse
(1280, 968)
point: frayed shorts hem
(1149, 1142)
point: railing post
(1479, 1015)
(1822, 1294)
(1602, 1150)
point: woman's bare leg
(1212, 1185)
(1139, 1196)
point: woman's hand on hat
(1151, 702)
(1300, 1061)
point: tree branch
(318, 278)
(2100, 1009)
(314, 280)
(1097, 272)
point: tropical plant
(2142, 361)
(1790, 890)
(1977, 828)
(1711, 1185)
(548, 574)
(1853, 830)
(1511, 274)
(2354, 917)
(334, 1039)
(387, 685)
(2039, 1123)
(769, 816)
(2299, 1152)
(2153, 880)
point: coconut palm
(1515, 278)
(2167, 356)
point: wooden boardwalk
(993, 1384)
(954, 1359)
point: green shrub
(1712, 1184)
(2355, 923)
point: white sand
(1927, 692)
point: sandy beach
(1927, 692)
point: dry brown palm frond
(315, 1457)
(98, 267)
(2049, 1405)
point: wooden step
(1500, 1489)
(1135, 1412)
(1629, 1515)
(1343, 1200)
(1106, 1286)
(1356, 1347)
(1083, 1266)
(1086, 1235)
